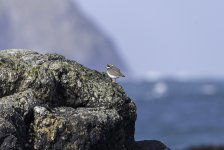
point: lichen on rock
(49, 102)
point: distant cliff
(56, 26)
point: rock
(151, 145)
(80, 128)
(56, 26)
(49, 102)
(207, 147)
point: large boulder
(49, 102)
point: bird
(113, 72)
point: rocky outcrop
(49, 102)
(56, 26)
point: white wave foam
(159, 89)
(208, 89)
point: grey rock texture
(151, 145)
(49, 102)
(56, 26)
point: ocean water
(179, 113)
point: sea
(180, 114)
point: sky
(160, 37)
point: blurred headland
(56, 26)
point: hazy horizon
(179, 38)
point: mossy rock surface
(49, 102)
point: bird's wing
(117, 71)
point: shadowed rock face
(151, 145)
(48, 102)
